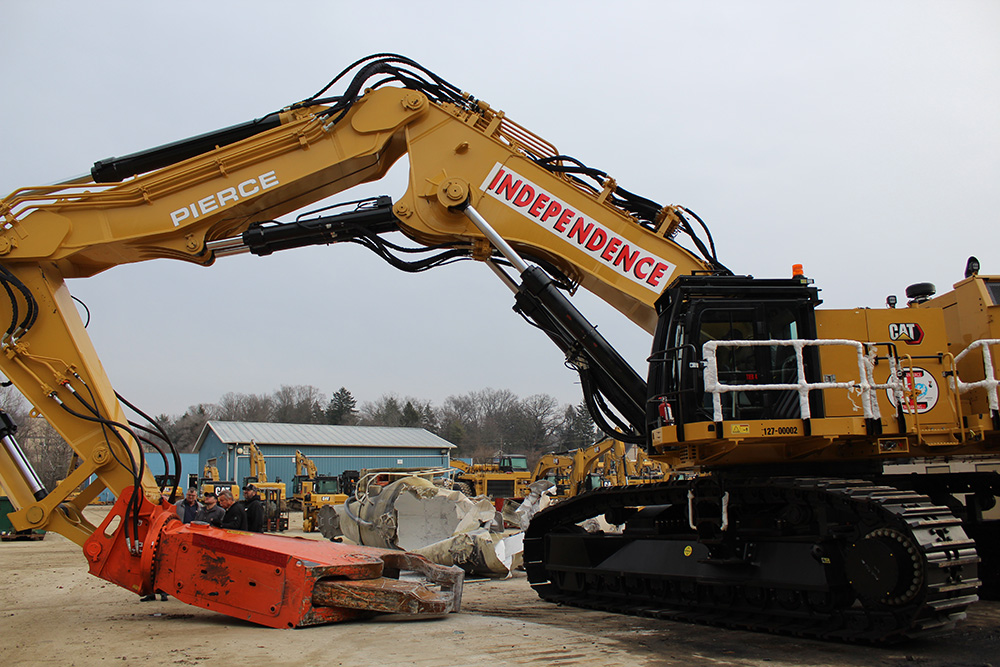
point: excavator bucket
(273, 580)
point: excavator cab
(512, 463)
(731, 318)
(326, 484)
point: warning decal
(924, 384)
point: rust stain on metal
(215, 569)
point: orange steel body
(272, 580)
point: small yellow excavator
(311, 491)
(211, 481)
(271, 493)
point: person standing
(188, 508)
(254, 508)
(210, 512)
(235, 516)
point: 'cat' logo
(909, 332)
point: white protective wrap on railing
(990, 382)
(865, 384)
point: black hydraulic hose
(85, 308)
(441, 259)
(645, 209)
(134, 505)
(393, 66)
(711, 241)
(384, 58)
(311, 99)
(131, 515)
(159, 450)
(13, 308)
(600, 412)
(135, 466)
(166, 438)
(31, 305)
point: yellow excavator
(312, 491)
(786, 411)
(272, 494)
(258, 472)
(211, 481)
(606, 463)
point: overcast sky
(861, 139)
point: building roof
(304, 435)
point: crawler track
(839, 559)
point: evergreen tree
(577, 428)
(342, 408)
(411, 416)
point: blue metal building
(333, 449)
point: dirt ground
(53, 613)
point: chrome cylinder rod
(16, 455)
(225, 247)
(498, 242)
(507, 280)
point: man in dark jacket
(187, 509)
(210, 511)
(236, 516)
(254, 508)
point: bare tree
(184, 430)
(483, 423)
(537, 423)
(45, 449)
(386, 410)
(47, 452)
(239, 407)
(297, 404)
(13, 403)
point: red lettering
(536, 208)
(597, 239)
(609, 251)
(580, 231)
(645, 261)
(552, 209)
(526, 194)
(496, 179)
(566, 216)
(508, 187)
(656, 274)
(625, 259)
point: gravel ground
(53, 613)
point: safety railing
(989, 383)
(865, 384)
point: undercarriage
(832, 558)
